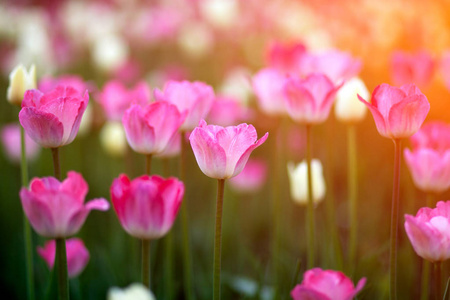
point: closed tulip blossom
(77, 255)
(56, 209)
(285, 57)
(268, 85)
(146, 206)
(398, 112)
(135, 291)
(433, 135)
(52, 119)
(348, 108)
(194, 98)
(19, 82)
(298, 179)
(309, 100)
(149, 129)
(429, 232)
(417, 68)
(10, 136)
(252, 178)
(321, 284)
(222, 152)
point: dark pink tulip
(146, 206)
(321, 284)
(77, 255)
(268, 85)
(115, 98)
(252, 177)
(434, 135)
(226, 111)
(10, 135)
(195, 98)
(309, 100)
(417, 68)
(52, 120)
(56, 209)
(285, 57)
(429, 232)
(222, 152)
(398, 112)
(150, 128)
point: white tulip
(109, 52)
(347, 107)
(220, 13)
(135, 291)
(113, 139)
(298, 178)
(19, 81)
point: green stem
(394, 220)
(26, 224)
(145, 275)
(218, 239)
(61, 269)
(56, 165)
(310, 205)
(148, 164)
(352, 181)
(438, 280)
(425, 281)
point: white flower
(113, 139)
(348, 108)
(109, 52)
(135, 291)
(19, 81)
(298, 178)
(220, 13)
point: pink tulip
(115, 98)
(195, 98)
(434, 135)
(10, 135)
(149, 129)
(445, 68)
(226, 111)
(252, 177)
(429, 232)
(309, 100)
(173, 148)
(222, 152)
(77, 255)
(46, 84)
(417, 68)
(285, 57)
(268, 85)
(398, 112)
(146, 206)
(52, 119)
(321, 284)
(56, 209)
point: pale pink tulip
(268, 85)
(398, 112)
(173, 148)
(321, 284)
(150, 128)
(146, 206)
(222, 152)
(10, 135)
(226, 111)
(252, 178)
(417, 68)
(429, 232)
(77, 255)
(115, 98)
(52, 120)
(56, 209)
(309, 100)
(195, 98)
(433, 135)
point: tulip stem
(352, 181)
(218, 239)
(394, 220)
(146, 263)
(276, 208)
(438, 279)
(61, 269)
(310, 205)
(56, 165)
(168, 245)
(148, 164)
(26, 224)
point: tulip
(286, 58)
(109, 51)
(434, 135)
(113, 139)
(309, 100)
(268, 85)
(46, 84)
(77, 255)
(226, 111)
(135, 291)
(149, 129)
(222, 152)
(194, 98)
(52, 119)
(173, 148)
(298, 178)
(10, 135)
(348, 108)
(321, 284)
(417, 68)
(19, 82)
(398, 112)
(56, 209)
(252, 177)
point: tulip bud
(19, 81)
(348, 108)
(112, 139)
(136, 291)
(298, 177)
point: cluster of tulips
(296, 82)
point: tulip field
(224, 149)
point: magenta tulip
(56, 209)
(10, 136)
(195, 98)
(398, 112)
(417, 68)
(149, 129)
(268, 85)
(222, 152)
(429, 232)
(77, 255)
(321, 284)
(146, 206)
(285, 57)
(309, 100)
(252, 178)
(52, 119)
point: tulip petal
(303, 293)
(384, 97)
(299, 102)
(38, 213)
(97, 204)
(425, 241)
(140, 135)
(44, 128)
(76, 185)
(377, 117)
(244, 158)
